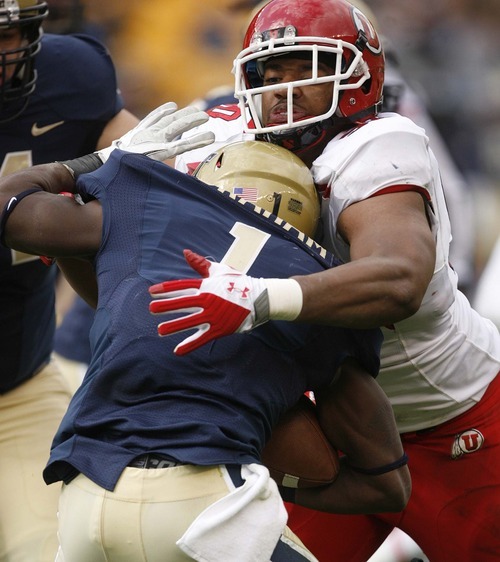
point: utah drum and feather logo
(467, 442)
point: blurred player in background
(74, 315)
(161, 453)
(65, 16)
(58, 100)
(385, 215)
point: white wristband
(285, 298)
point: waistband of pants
(154, 460)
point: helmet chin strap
(308, 142)
(305, 142)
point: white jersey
(458, 195)
(438, 363)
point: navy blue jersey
(217, 404)
(71, 339)
(75, 96)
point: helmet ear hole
(366, 87)
(267, 175)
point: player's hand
(224, 301)
(157, 135)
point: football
(298, 455)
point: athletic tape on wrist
(285, 298)
(83, 165)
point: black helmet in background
(17, 72)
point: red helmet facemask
(323, 30)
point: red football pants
(454, 510)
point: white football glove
(157, 134)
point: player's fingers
(159, 113)
(164, 290)
(194, 342)
(179, 146)
(181, 305)
(200, 264)
(182, 121)
(180, 324)
(196, 141)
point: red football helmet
(320, 28)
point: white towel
(244, 526)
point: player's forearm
(18, 187)
(353, 493)
(365, 293)
(37, 221)
(356, 417)
(52, 178)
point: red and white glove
(225, 301)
